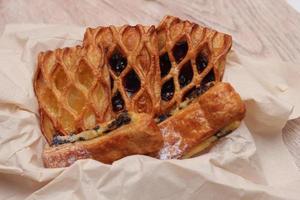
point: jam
(117, 62)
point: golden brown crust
(72, 88)
(187, 45)
(222, 105)
(141, 136)
(77, 88)
(211, 112)
(138, 46)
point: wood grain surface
(260, 28)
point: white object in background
(295, 4)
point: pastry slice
(128, 134)
(206, 116)
(190, 56)
(196, 108)
(132, 59)
(73, 90)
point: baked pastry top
(204, 117)
(190, 57)
(73, 90)
(132, 59)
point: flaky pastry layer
(204, 117)
(140, 136)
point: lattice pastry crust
(190, 57)
(73, 90)
(132, 57)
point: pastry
(132, 59)
(72, 88)
(136, 90)
(192, 62)
(200, 121)
(128, 134)
(190, 56)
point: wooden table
(260, 28)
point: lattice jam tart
(132, 57)
(190, 57)
(196, 109)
